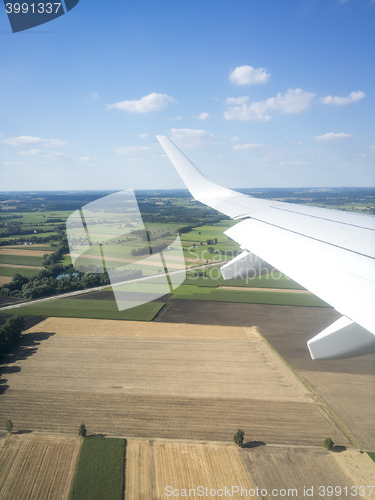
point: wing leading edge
(331, 253)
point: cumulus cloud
(143, 136)
(343, 101)
(203, 116)
(236, 101)
(293, 101)
(147, 104)
(132, 150)
(332, 136)
(94, 95)
(50, 155)
(191, 137)
(247, 75)
(176, 119)
(27, 140)
(247, 146)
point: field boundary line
(317, 398)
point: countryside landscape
(162, 387)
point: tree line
(10, 333)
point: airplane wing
(329, 252)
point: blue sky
(257, 93)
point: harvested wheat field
(37, 467)
(317, 470)
(21, 251)
(5, 279)
(152, 467)
(158, 380)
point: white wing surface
(329, 252)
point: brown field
(352, 398)
(18, 250)
(20, 266)
(298, 468)
(5, 279)
(158, 380)
(154, 465)
(37, 467)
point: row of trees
(10, 333)
(238, 439)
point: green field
(11, 271)
(371, 454)
(192, 292)
(21, 260)
(88, 308)
(100, 468)
(214, 279)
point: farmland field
(37, 467)
(21, 260)
(192, 292)
(100, 470)
(88, 308)
(27, 271)
(181, 466)
(158, 380)
(299, 468)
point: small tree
(328, 443)
(238, 437)
(82, 430)
(9, 426)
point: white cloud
(143, 136)
(13, 163)
(50, 155)
(176, 119)
(293, 101)
(132, 150)
(236, 101)
(203, 116)
(247, 75)
(191, 137)
(372, 148)
(247, 146)
(27, 140)
(332, 136)
(343, 101)
(84, 158)
(94, 95)
(235, 138)
(147, 104)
